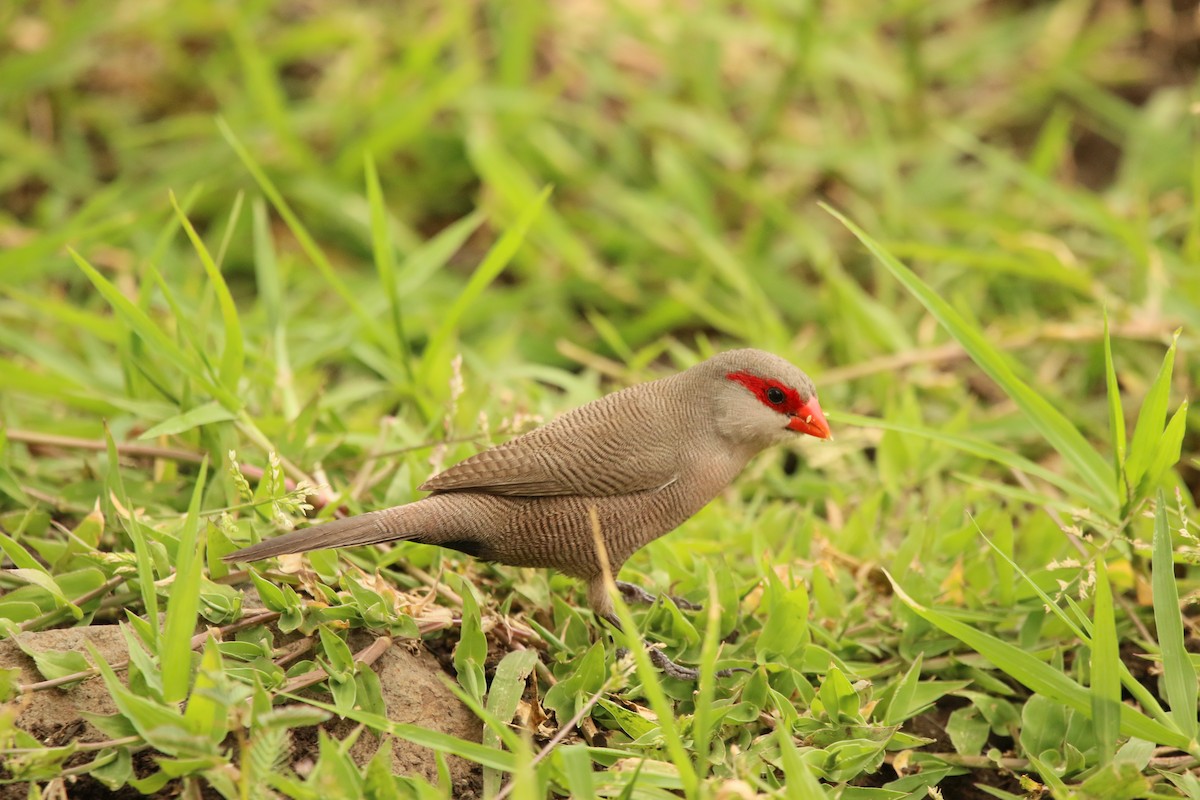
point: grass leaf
(1116, 414)
(233, 356)
(1037, 675)
(192, 418)
(1179, 671)
(175, 645)
(489, 268)
(504, 695)
(1047, 420)
(1150, 422)
(1105, 667)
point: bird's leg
(636, 594)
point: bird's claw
(680, 672)
(677, 671)
(636, 594)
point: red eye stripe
(759, 386)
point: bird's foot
(636, 594)
(672, 670)
(677, 671)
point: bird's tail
(369, 528)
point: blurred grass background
(1034, 162)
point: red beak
(811, 420)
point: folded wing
(612, 446)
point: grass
(258, 257)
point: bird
(634, 464)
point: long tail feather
(369, 528)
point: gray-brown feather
(645, 458)
(612, 446)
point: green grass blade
(657, 697)
(270, 297)
(576, 766)
(431, 256)
(1106, 671)
(1116, 414)
(1135, 688)
(141, 324)
(434, 740)
(1041, 413)
(703, 719)
(504, 695)
(233, 356)
(183, 607)
(1166, 453)
(1179, 672)
(1037, 675)
(192, 418)
(799, 779)
(471, 652)
(306, 240)
(977, 447)
(487, 271)
(115, 487)
(1152, 417)
(385, 262)
(208, 713)
(900, 706)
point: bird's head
(763, 399)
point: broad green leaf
(633, 724)
(838, 696)
(42, 579)
(271, 595)
(1115, 781)
(53, 664)
(21, 557)
(800, 781)
(508, 685)
(1047, 420)
(1179, 673)
(786, 628)
(968, 730)
(339, 658)
(585, 678)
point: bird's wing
(612, 446)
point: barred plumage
(646, 458)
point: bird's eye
(775, 395)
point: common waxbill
(645, 458)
